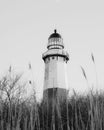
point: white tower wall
(55, 73)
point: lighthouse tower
(55, 59)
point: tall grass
(79, 112)
(83, 114)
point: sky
(25, 26)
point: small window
(52, 57)
(64, 59)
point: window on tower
(48, 58)
(52, 57)
(64, 58)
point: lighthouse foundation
(56, 94)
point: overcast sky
(25, 26)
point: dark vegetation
(74, 113)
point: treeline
(74, 113)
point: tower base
(56, 94)
(55, 107)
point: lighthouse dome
(55, 41)
(55, 35)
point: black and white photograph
(51, 65)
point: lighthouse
(55, 76)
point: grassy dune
(75, 113)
